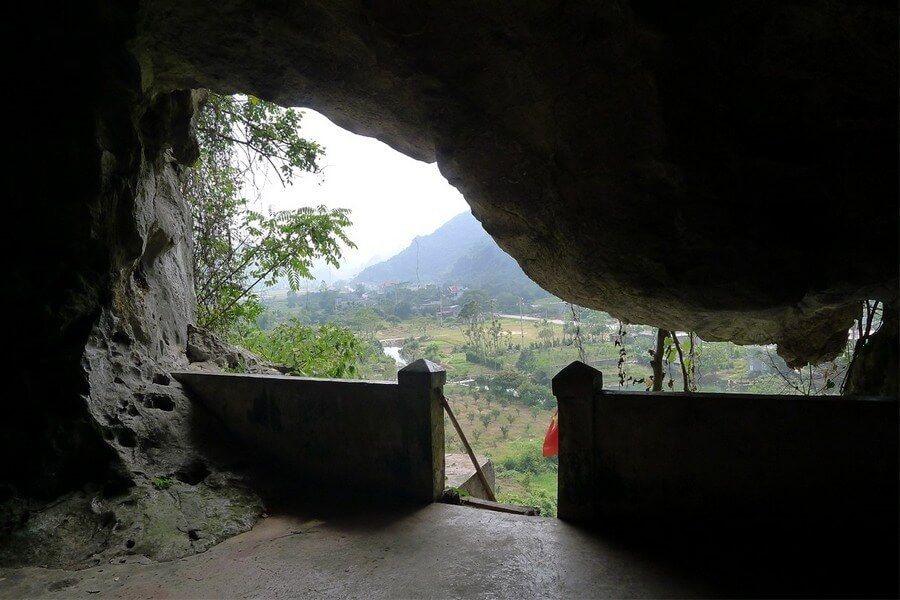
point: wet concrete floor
(436, 551)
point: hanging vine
(693, 355)
(623, 353)
(624, 377)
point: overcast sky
(393, 198)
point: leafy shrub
(526, 456)
(325, 351)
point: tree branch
(684, 373)
(254, 148)
(656, 363)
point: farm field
(451, 333)
(512, 436)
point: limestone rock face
(103, 453)
(727, 168)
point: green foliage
(721, 356)
(236, 248)
(463, 493)
(526, 361)
(411, 349)
(526, 456)
(239, 367)
(366, 321)
(507, 379)
(432, 352)
(262, 131)
(478, 359)
(324, 351)
(532, 394)
(163, 483)
(524, 462)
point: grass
(163, 483)
(546, 482)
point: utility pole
(522, 321)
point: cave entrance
(411, 274)
(681, 116)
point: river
(554, 321)
(394, 352)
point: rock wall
(101, 447)
(728, 168)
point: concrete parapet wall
(735, 459)
(341, 434)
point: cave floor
(359, 550)
(433, 551)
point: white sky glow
(393, 198)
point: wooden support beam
(462, 436)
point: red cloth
(551, 440)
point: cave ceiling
(728, 168)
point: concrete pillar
(575, 388)
(421, 387)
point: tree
(656, 360)
(364, 320)
(243, 139)
(505, 380)
(532, 394)
(472, 317)
(667, 345)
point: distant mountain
(485, 265)
(459, 252)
